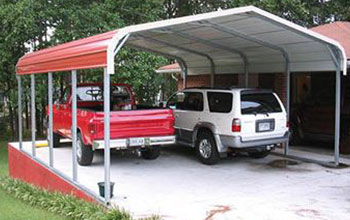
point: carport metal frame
(119, 40)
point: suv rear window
(259, 103)
(220, 102)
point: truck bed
(136, 123)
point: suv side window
(193, 101)
(259, 104)
(220, 102)
(176, 101)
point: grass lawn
(13, 209)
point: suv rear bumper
(236, 141)
(124, 143)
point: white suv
(217, 121)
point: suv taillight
(236, 125)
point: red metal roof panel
(86, 53)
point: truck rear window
(220, 102)
(259, 103)
(95, 93)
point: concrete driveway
(177, 186)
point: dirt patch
(282, 163)
(219, 209)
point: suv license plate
(264, 126)
(136, 142)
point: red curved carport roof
(87, 53)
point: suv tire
(150, 153)
(206, 149)
(85, 154)
(259, 154)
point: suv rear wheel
(85, 153)
(206, 149)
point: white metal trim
(244, 11)
(32, 112)
(50, 128)
(74, 126)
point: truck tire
(259, 154)
(150, 153)
(85, 154)
(56, 139)
(206, 149)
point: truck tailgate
(137, 123)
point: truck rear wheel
(150, 153)
(85, 153)
(206, 149)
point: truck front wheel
(85, 153)
(56, 139)
(150, 153)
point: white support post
(186, 75)
(74, 124)
(20, 126)
(337, 115)
(184, 81)
(33, 124)
(212, 75)
(286, 148)
(50, 130)
(183, 73)
(246, 77)
(106, 105)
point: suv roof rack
(214, 88)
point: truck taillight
(236, 125)
(288, 124)
(92, 128)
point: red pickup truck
(132, 127)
